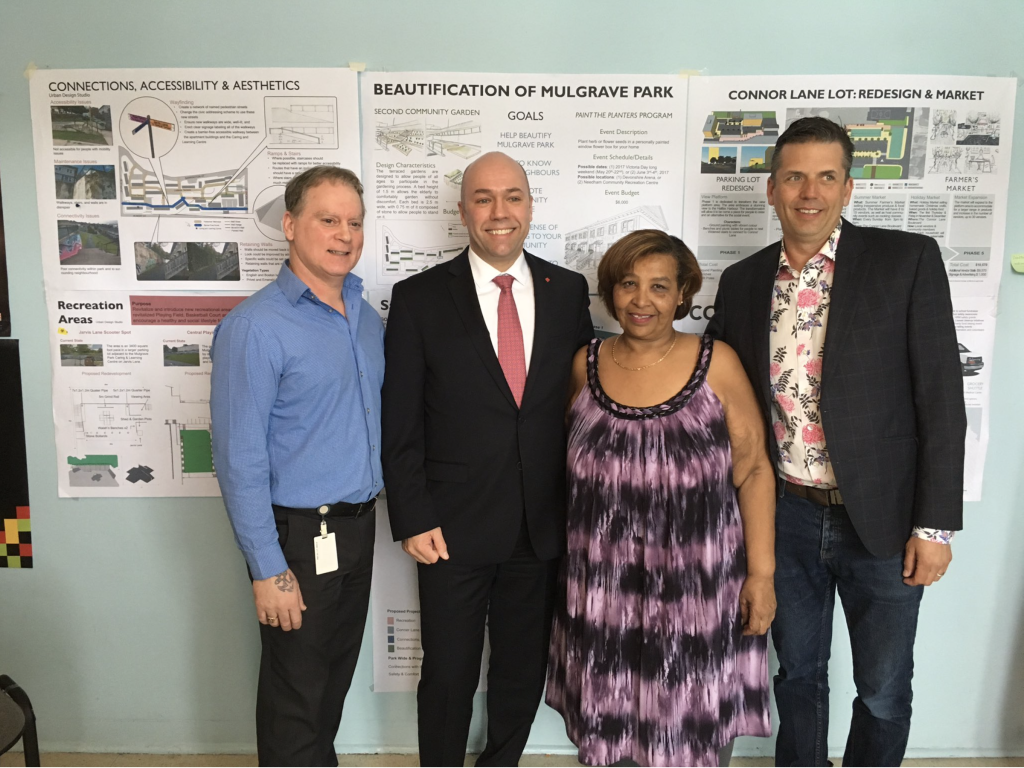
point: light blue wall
(135, 630)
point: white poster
(131, 392)
(397, 653)
(160, 201)
(975, 318)
(396, 612)
(603, 154)
(931, 155)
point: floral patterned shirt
(799, 318)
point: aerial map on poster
(931, 155)
(160, 195)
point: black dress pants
(514, 599)
(305, 673)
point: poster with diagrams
(975, 319)
(931, 155)
(131, 392)
(174, 179)
(161, 194)
(603, 155)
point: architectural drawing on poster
(979, 128)
(296, 121)
(943, 128)
(584, 246)
(454, 179)
(410, 246)
(109, 415)
(145, 193)
(460, 139)
(191, 448)
(92, 471)
(292, 122)
(270, 207)
(963, 159)
(740, 126)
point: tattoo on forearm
(284, 582)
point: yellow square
(11, 530)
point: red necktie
(510, 339)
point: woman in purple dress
(658, 650)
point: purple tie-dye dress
(648, 661)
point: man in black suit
(866, 429)
(478, 355)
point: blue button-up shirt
(295, 403)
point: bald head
(496, 208)
(482, 169)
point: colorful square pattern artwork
(16, 539)
(16, 527)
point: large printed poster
(603, 155)
(931, 155)
(160, 203)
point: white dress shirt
(487, 293)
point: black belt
(824, 497)
(337, 509)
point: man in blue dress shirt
(297, 373)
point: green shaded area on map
(196, 451)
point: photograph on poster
(183, 354)
(84, 182)
(88, 243)
(81, 354)
(75, 125)
(186, 261)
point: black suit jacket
(892, 402)
(457, 451)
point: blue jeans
(818, 552)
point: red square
(26, 550)
(3, 537)
(22, 513)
